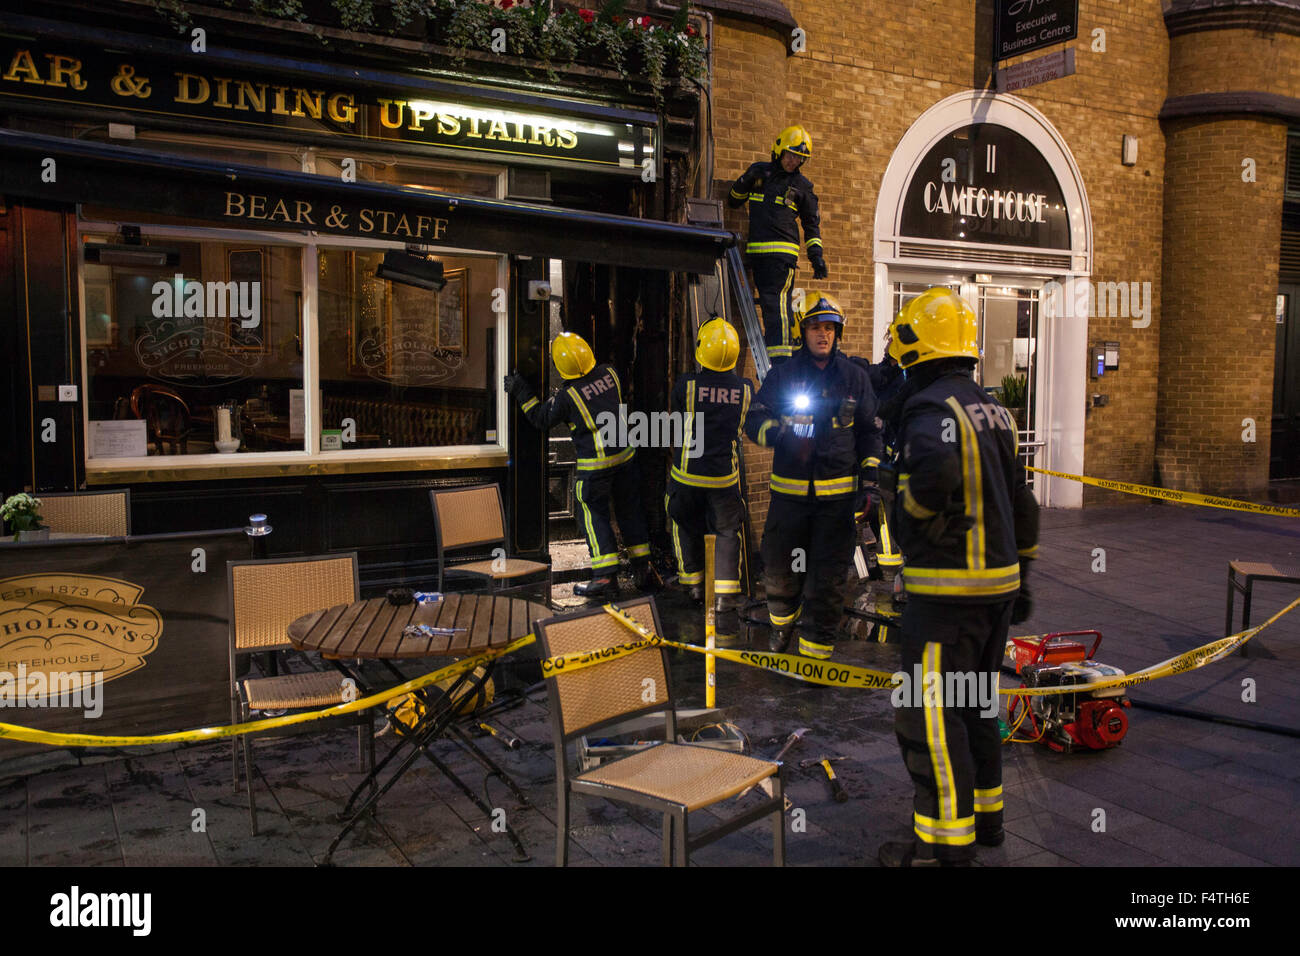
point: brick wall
(870, 69)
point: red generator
(1066, 722)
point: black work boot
(904, 854)
(597, 588)
(782, 635)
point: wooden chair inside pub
(265, 597)
(166, 416)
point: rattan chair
(266, 596)
(88, 512)
(671, 778)
(473, 517)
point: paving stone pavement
(1180, 791)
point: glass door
(1008, 367)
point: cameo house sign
(1023, 25)
(986, 184)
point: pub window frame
(311, 453)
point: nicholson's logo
(56, 623)
(77, 909)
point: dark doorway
(1284, 456)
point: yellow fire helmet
(796, 140)
(936, 324)
(821, 307)
(572, 355)
(718, 346)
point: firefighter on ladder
(606, 476)
(818, 414)
(967, 524)
(777, 195)
(704, 487)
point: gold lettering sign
(365, 220)
(62, 625)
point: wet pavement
(1180, 790)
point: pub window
(410, 367)
(197, 347)
(193, 347)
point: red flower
(507, 4)
(588, 16)
(690, 30)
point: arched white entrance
(901, 256)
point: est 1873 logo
(74, 624)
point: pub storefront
(264, 277)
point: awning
(53, 169)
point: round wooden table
(372, 629)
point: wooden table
(373, 630)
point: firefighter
(967, 524)
(818, 414)
(778, 194)
(592, 399)
(704, 487)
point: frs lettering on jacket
(995, 416)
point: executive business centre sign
(1020, 26)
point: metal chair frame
(434, 495)
(678, 843)
(239, 709)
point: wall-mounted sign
(119, 635)
(988, 184)
(1053, 66)
(181, 88)
(1020, 26)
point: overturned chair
(673, 779)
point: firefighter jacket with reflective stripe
(713, 407)
(826, 440)
(776, 199)
(590, 405)
(963, 515)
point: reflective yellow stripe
(972, 485)
(762, 430)
(1028, 552)
(988, 801)
(726, 587)
(755, 197)
(962, 581)
(529, 404)
(638, 550)
(888, 557)
(737, 195)
(830, 487)
(813, 242)
(785, 312)
(947, 832)
(705, 481)
(597, 464)
(936, 739)
(690, 423)
(788, 486)
(789, 248)
(914, 507)
(690, 577)
(781, 620)
(811, 649)
(780, 351)
(592, 546)
(599, 561)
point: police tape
(815, 671)
(1168, 494)
(1182, 663)
(32, 735)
